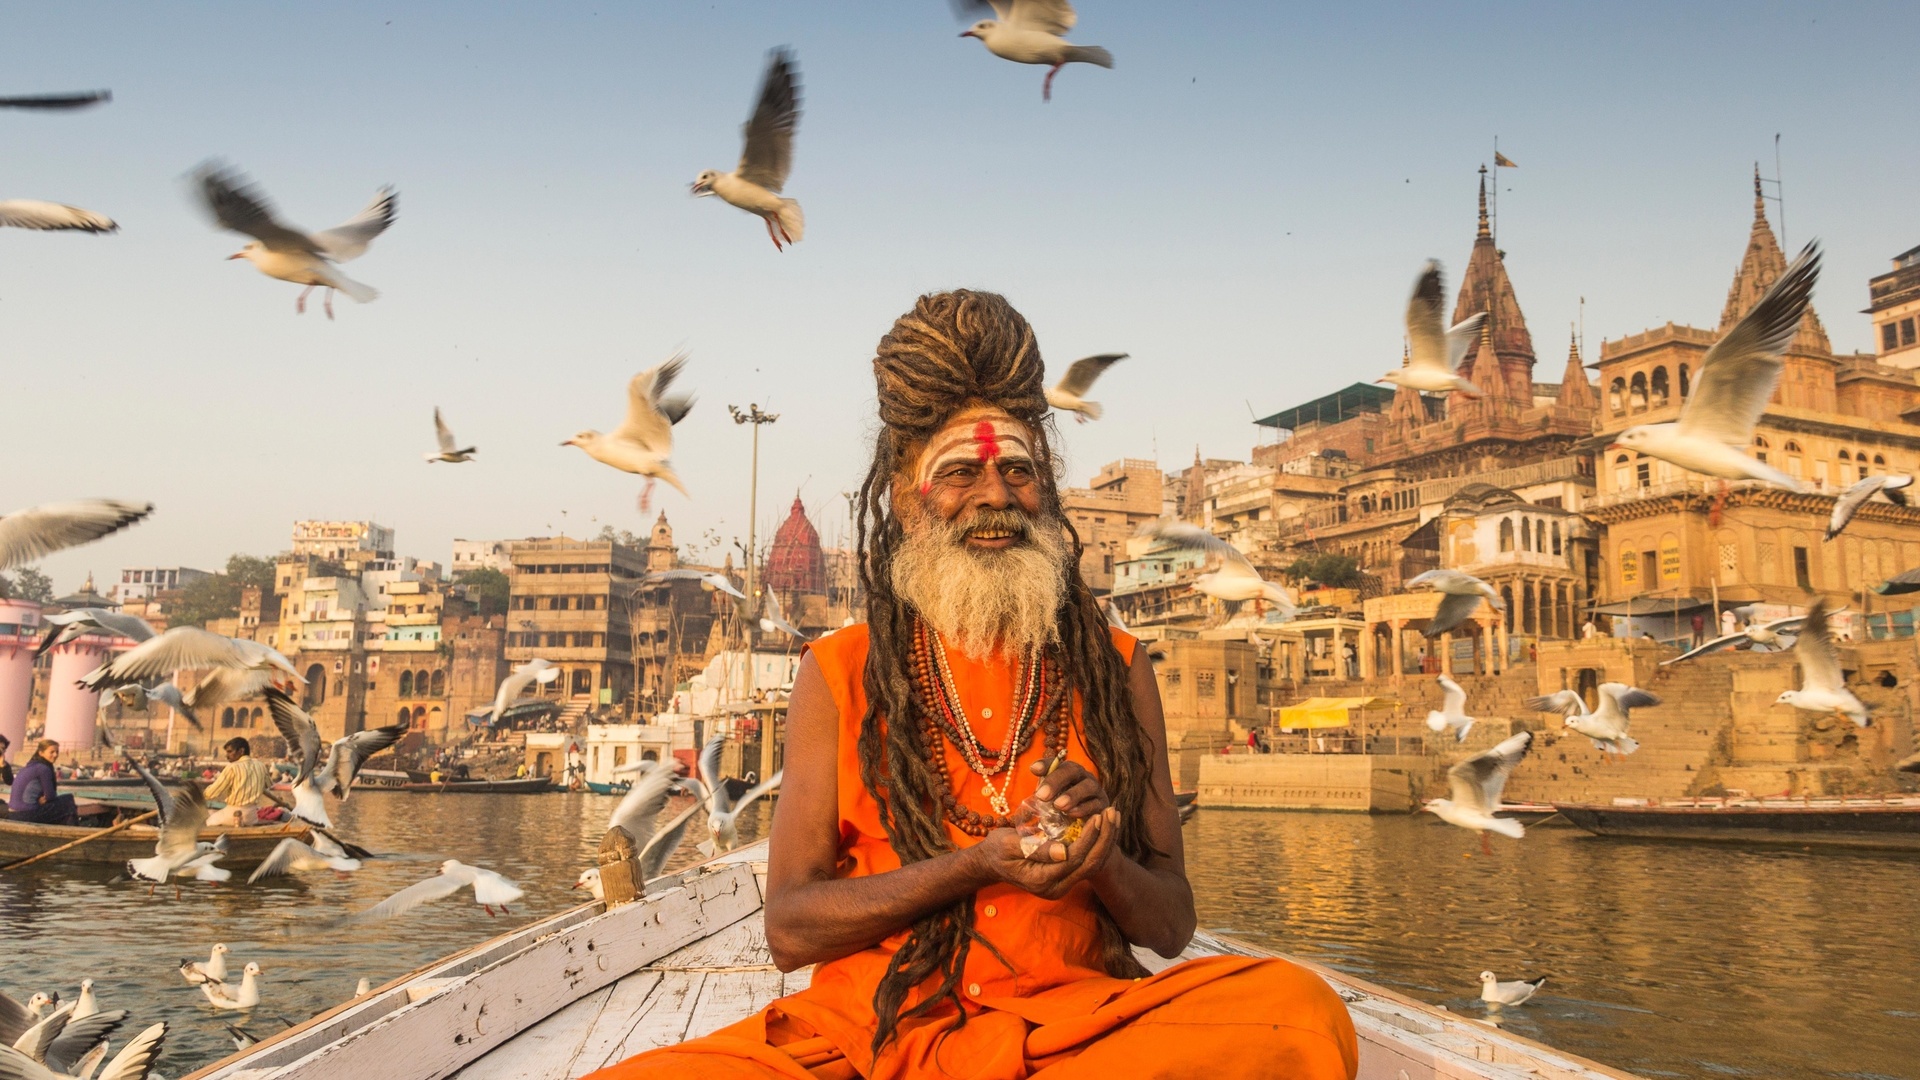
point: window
(1643, 473)
(1233, 680)
(1888, 339)
(1526, 536)
(1845, 457)
(1659, 387)
(1173, 676)
(1540, 537)
(226, 717)
(1620, 473)
(1685, 386)
(1879, 463)
(1650, 566)
(619, 756)
(1203, 684)
(439, 684)
(1760, 448)
(1820, 473)
(1616, 396)
(1556, 538)
(1906, 332)
(406, 684)
(406, 716)
(1637, 392)
(1795, 467)
(1506, 534)
(1729, 558)
(1800, 573)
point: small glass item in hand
(1041, 823)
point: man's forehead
(975, 436)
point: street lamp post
(754, 416)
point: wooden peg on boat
(619, 867)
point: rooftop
(1333, 408)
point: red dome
(796, 564)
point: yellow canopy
(1324, 712)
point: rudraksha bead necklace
(945, 718)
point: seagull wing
(1453, 610)
(14, 1019)
(1566, 702)
(1183, 534)
(1453, 701)
(768, 154)
(349, 239)
(645, 423)
(770, 784)
(1479, 780)
(348, 754)
(1740, 372)
(662, 844)
(181, 648)
(1628, 698)
(1905, 581)
(180, 836)
(1081, 373)
(237, 205)
(1460, 339)
(56, 101)
(1851, 500)
(710, 774)
(643, 803)
(162, 798)
(440, 432)
(52, 216)
(298, 729)
(1717, 644)
(226, 684)
(26, 535)
(135, 1060)
(1055, 17)
(438, 887)
(81, 1036)
(1819, 660)
(285, 854)
(40, 1036)
(1427, 322)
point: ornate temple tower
(1486, 287)
(795, 565)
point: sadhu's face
(978, 481)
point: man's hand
(1071, 789)
(1056, 867)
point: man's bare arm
(1151, 901)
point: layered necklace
(946, 719)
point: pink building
(19, 633)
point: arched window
(433, 717)
(419, 684)
(1686, 387)
(439, 684)
(406, 716)
(1622, 473)
(406, 684)
(1637, 392)
(316, 686)
(1506, 596)
(1796, 468)
(1540, 537)
(1845, 457)
(254, 718)
(1617, 396)
(1659, 387)
(1759, 448)
(1556, 538)
(1879, 463)
(420, 716)
(226, 717)
(1506, 534)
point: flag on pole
(1502, 161)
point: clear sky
(1242, 204)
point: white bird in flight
(314, 780)
(45, 216)
(133, 1062)
(1034, 32)
(1461, 596)
(1773, 636)
(291, 856)
(80, 622)
(1714, 434)
(283, 252)
(222, 996)
(1434, 352)
(1605, 726)
(1236, 580)
(637, 813)
(644, 441)
(708, 579)
(1452, 712)
(449, 451)
(231, 668)
(775, 619)
(1476, 784)
(490, 890)
(182, 814)
(26, 535)
(767, 156)
(1495, 992)
(1856, 496)
(1066, 394)
(520, 680)
(1823, 685)
(723, 815)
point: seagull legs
(300, 304)
(646, 496)
(329, 303)
(1046, 88)
(771, 235)
(1486, 846)
(1719, 504)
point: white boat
(593, 986)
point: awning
(1650, 605)
(1323, 712)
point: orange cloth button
(973, 989)
(992, 911)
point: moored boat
(380, 780)
(532, 785)
(1888, 822)
(617, 788)
(586, 988)
(246, 845)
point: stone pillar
(1399, 648)
(71, 711)
(1369, 648)
(1446, 653)
(16, 673)
(1505, 638)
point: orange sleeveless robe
(1050, 1010)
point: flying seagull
(1452, 712)
(55, 102)
(1715, 431)
(1434, 352)
(135, 696)
(1236, 579)
(707, 578)
(1476, 784)
(644, 441)
(1495, 992)
(133, 1062)
(26, 535)
(519, 680)
(449, 448)
(1033, 32)
(637, 814)
(183, 813)
(233, 668)
(723, 831)
(1606, 726)
(291, 856)
(490, 890)
(283, 252)
(1462, 594)
(1823, 685)
(767, 157)
(775, 619)
(43, 216)
(315, 780)
(78, 623)
(1775, 636)
(1066, 394)
(1856, 496)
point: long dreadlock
(954, 349)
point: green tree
(1327, 568)
(217, 596)
(608, 534)
(251, 570)
(488, 588)
(30, 584)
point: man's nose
(993, 492)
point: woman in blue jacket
(36, 790)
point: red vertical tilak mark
(989, 442)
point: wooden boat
(1186, 803)
(617, 788)
(532, 785)
(1889, 822)
(586, 988)
(380, 780)
(247, 846)
(1528, 813)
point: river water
(1664, 959)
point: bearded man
(984, 676)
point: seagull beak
(569, 442)
(236, 255)
(968, 33)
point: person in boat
(242, 785)
(6, 767)
(950, 938)
(35, 795)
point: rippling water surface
(1664, 959)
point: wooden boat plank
(625, 1009)
(546, 1050)
(742, 945)
(731, 996)
(663, 1019)
(796, 981)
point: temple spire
(1762, 262)
(1575, 391)
(1759, 197)
(1484, 229)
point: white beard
(985, 602)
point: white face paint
(975, 437)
